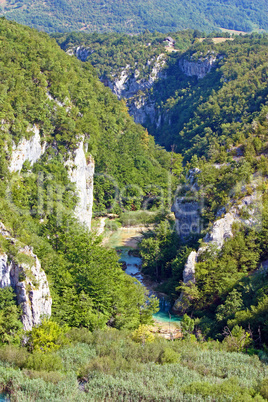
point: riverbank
(125, 241)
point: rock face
(29, 283)
(199, 68)
(80, 169)
(130, 86)
(142, 108)
(221, 230)
(187, 217)
(30, 150)
(189, 269)
(81, 172)
(80, 52)
(219, 233)
(128, 83)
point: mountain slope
(136, 16)
(52, 109)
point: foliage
(46, 337)
(65, 108)
(10, 324)
(187, 325)
(112, 53)
(133, 17)
(237, 339)
(169, 356)
(87, 284)
(113, 365)
(44, 362)
(142, 334)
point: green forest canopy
(136, 16)
(84, 278)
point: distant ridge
(136, 15)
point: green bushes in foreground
(110, 365)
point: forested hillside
(43, 87)
(136, 16)
(216, 118)
(98, 343)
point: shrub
(44, 361)
(142, 334)
(237, 339)
(264, 388)
(169, 356)
(14, 355)
(47, 336)
(80, 335)
(106, 365)
(76, 356)
(49, 376)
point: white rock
(32, 292)
(81, 172)
(221, 230)
(199, 68)
(189, 269)
(30, 150)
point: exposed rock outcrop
(142, 108)
(189, 269)
(221, 230)
(187, 209)
(29, 282)
(27, 150)
(80, 52)
(127, 84)
(199, 68)
(80, 169)
(187, 216)
(218, 234)
(81, 172)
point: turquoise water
(163, 316)
(133, 269)
(3, 398)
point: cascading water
(133, 265)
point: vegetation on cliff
(223, 133)
(42, 86)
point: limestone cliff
(81, 172)
(27, 150)
(199, 68)
(217, 235)
(80, 169)
(81, 52)
(28, 281)
(129, 85)
(187, 208)
(128, 82)
(132, 84)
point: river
(133, 265)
